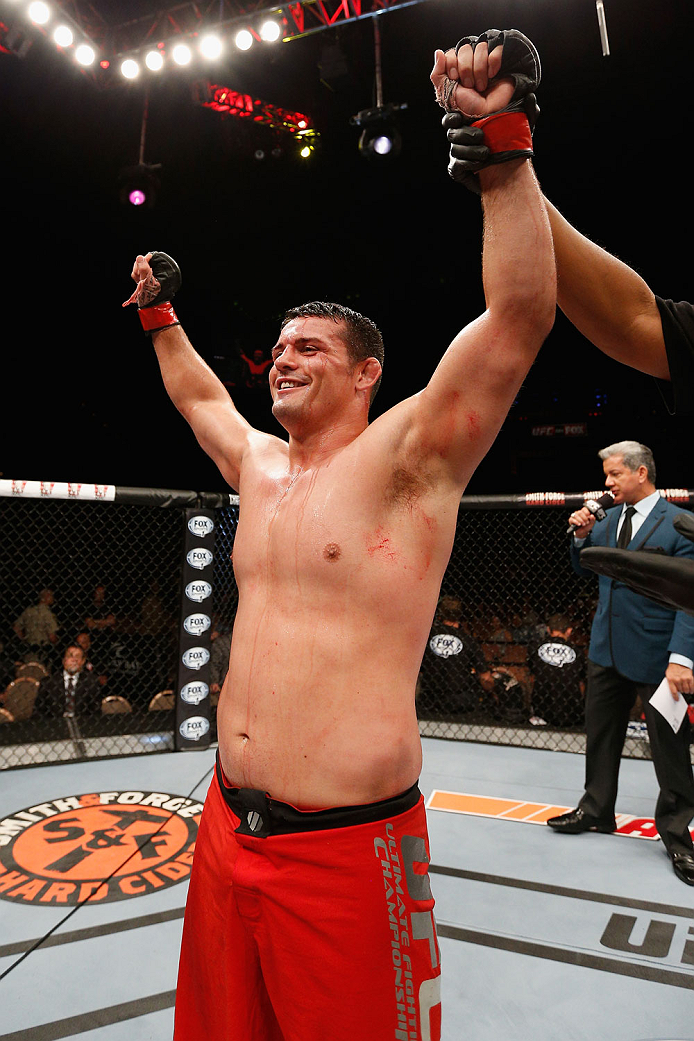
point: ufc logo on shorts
(420, 927)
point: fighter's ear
(369, 372)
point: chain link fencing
(101, 580)
(89, 579)
(506, 657)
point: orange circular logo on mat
(99, 847)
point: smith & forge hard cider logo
(61, 852)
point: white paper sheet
(672, 711)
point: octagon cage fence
(108, 570)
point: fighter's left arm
(455, 419)
(459, 413)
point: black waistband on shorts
(260, 815)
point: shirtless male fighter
(310, 914)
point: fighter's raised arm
(459, 413)
(194, 389)
(607, 301)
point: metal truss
(229, 102)
(113, 40)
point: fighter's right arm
(193, 387)
(607, 301)
(203, 401)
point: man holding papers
(635, 644)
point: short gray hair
(634, 455)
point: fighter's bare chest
(303, 526)
(324, 526)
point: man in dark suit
(634, 644)
(71, 691)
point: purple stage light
(137, 197)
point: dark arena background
(246, 166)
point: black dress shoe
(683, 865)
(576, 821)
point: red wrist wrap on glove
(158, 317)
(506, 132)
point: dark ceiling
(82, 398)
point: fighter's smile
(285, 384)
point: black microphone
(597, 507)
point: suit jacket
(50, 700)
(630, 632)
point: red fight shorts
(309, 925)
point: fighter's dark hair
(363, 337)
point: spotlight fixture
(244, 39)
(270, 31)
(85, 54)
(210, 46)
(380, 138)
(130, 69)
(139, 185)
(181, 54)
(39, 12)
(154, 61)
(63, 36)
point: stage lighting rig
(14, 40)
(380, 138)
(284, 123)
(139, 184)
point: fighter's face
(311, 375)
(626, 485)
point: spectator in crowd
(100, 621)
(99, 614)
(499, 631)
(454, 674)
(557, 667)
(84, 641)
(71, 690)
(37, 627)
(255, 370)
(527, 627)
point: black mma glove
(468, 153)
(506, 134)
(155, 293)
